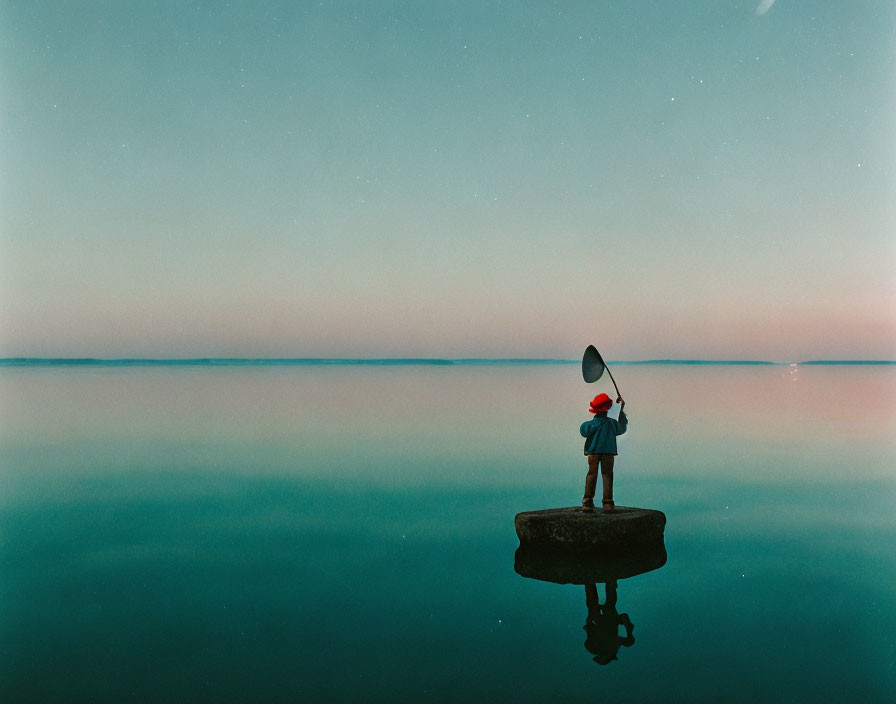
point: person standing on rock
(600, 448)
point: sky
(707, 179)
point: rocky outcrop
(623, 531)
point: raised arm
(622, 423)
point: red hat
(601, 402)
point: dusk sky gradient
(706, 179)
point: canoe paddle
(593, 366)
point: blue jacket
(600, 433)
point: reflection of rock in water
(603, 621)
(572, 568)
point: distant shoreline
(398, 361)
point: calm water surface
(346, 534)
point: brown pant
(605, 461)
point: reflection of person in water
(602, 626)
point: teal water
(337, 533)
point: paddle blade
(592, 365)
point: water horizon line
(391, 361)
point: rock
(563, 567)
(622, 531)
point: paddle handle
(618, 395)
